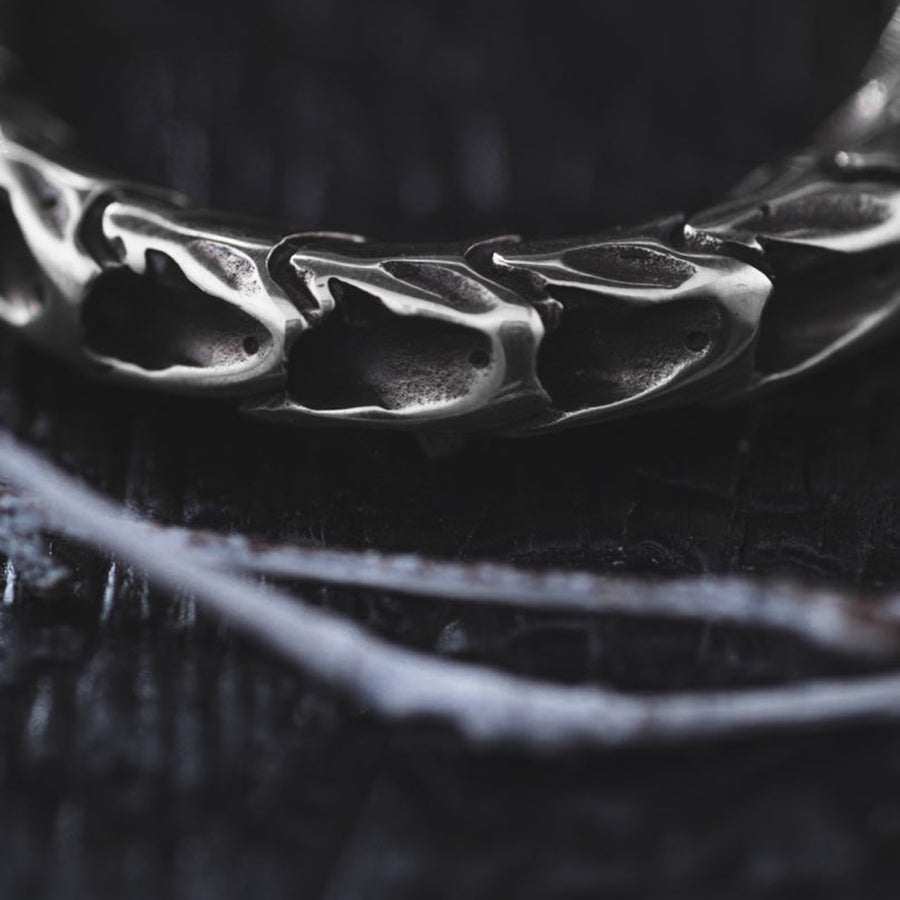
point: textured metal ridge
(507, 335)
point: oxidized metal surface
(507, 335)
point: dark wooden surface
(144, 753)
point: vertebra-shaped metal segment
(640, 324)
(129, 281)
(202, 311)
(826, 226)
(409, 338)
(842, 204)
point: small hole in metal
(480, 359)
(696, 341)
(251, 345)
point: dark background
(146, 754)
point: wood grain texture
(146, 753)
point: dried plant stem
(485, 705)
(842, 621)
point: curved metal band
(506, 335)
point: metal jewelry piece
(799, 266)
